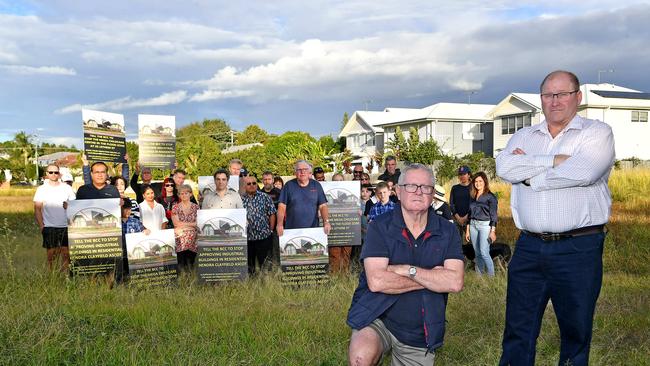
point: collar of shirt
(576, 123)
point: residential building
(458, 128)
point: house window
(639, 116)
(512, 124)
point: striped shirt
(570, 196)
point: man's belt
(587, 230)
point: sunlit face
(383, 194)
(267, 181)
(479, 184)
(357, 172)
(149, 195)
(126, 212)
(119, 184)
(179, 179)
(303, 171)
(365, 179)
(98, 175)
(337, 178)
(146, 175)
(221, 181)
(391, 166)
(416, 201)
(169, 188)
(251, 184)
(277, 185)
(185, 195)
(365, 194)
(235, 169)
(52, 173)
(560, 111)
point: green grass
(48, 319)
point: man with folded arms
(560, 201)
(412, 259)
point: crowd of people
(411, 252)
(271, 206)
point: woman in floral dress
(184, 218)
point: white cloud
(39, 70)
(129, 103)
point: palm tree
(23, 149)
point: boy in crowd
(384, 204)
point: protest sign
(343, 202)
(157, 141)
(152, 258)
(94, 235)
(104, 137)
(222, 245)
(303, 257)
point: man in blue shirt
(412, 259)
(301, 200)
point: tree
(398, 144)
(250, 135)
(345, 120)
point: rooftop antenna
(469, 95)
(602, 72)
(366, 102)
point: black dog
(496, 250)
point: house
(458, 128)
(516, 111)
(625, 110)
(94, 217)
(62, 158)
(223, 227)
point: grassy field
(48, 319)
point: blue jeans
(569, 272)
(479, 232)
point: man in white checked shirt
(560, 201)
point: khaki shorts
(401, 354)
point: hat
(318, 170)
(243, 172)
(464, 170)
(67, 177)
(439, 193)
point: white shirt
(570, 196)
(152, 218)
(52, 197)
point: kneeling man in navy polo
(412, 259)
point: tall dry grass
(49, 319)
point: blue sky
(290, 65)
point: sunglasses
(251, 184)
(169, 185)
(52, 172)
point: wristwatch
(413, 271)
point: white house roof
(529, 98)
(523, 102)
(375, 120)
(458, 111)
(610, 95)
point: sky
(296, 65)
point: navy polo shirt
(90, 192)
(302, 203)
(416, 318)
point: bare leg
(365, 347)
